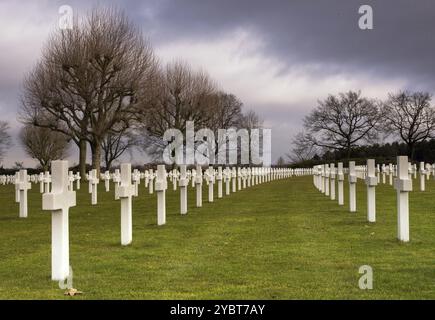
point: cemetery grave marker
(210, 180)
(93, 182)
(340, 177)
(332, 176)
(352, 186)
(371, 182)
(403, 185)
(219, 181)
(78, 178)
(161, 186)
(117, 181)
(58, 201)
(183, 182)
(107, 180)
(198, 186)
(23, 185)
(422, 177)
(125, 192)
(233, 179)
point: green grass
(278, 240)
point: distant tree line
(101, 85)
(349, 126)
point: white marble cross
(210, 180)
(192, 177)
(117, 181)
(174, 179)
(340, 178)
(88, 178)
(198, 186)
(125, 192)
(253, 176)
(107, 181)
(414, 167)
(260, 175)
(78, 178)
(233, 179)
(71, 181)
(403, 185)
(47, 181)
(183, 182)
(23, 186)
(390, 174)
(161, 186)
(227, 175)
(244, 176)
(428, 170)
(151, 183)
(219, 178)
(94, 181)
(41, 182)
(352, 186)
(422, 177)
(327, 173)
(17, 189)
(146, 178)
(58, 201)
(248, 176)
(322, 179)
(239, 178)
(136, 182)
(332, 176)
(371, 182)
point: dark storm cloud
(322, 35)
(402, 42)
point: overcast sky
(278, 57)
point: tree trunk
(44, 165)
(82, 157)
(108, 164)
(107, 160)
(96, 155)
(411, 151)
(348, 152)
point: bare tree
(180, 94)
(226, 113)
(44, 144)
(280, 162)
(303, 149)
(5, 138)
(409, 116)
(18, 165)
(342, 122)
(90, 79)
(115, 144)
(251, 120)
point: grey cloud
(323, 33)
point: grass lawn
(278, 240)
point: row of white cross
(61, 196)
(324, 177)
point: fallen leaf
(72, 292)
